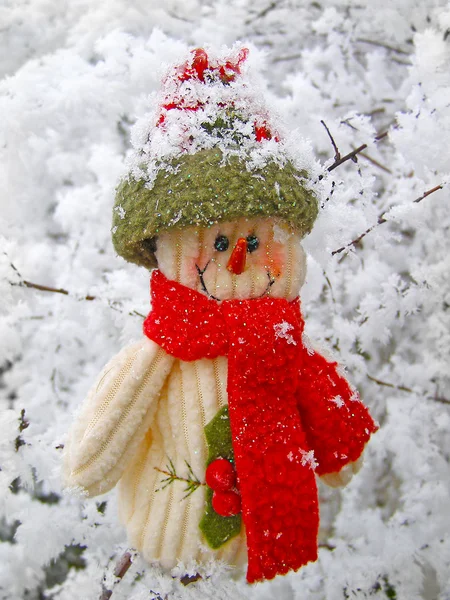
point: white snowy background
(76, 75)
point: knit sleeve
(336, 422)
(115, 417)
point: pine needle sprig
(192, 481)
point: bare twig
(439, 399)
(383, 45)
(329, 285)
(337, 154)
(338, 159)
(114, 304)
(288, 57)
(350, 156)
(381, 219)
(375, 111)
(262, 13)
(403, 388)
(178, 17)
(354, 242)
(46, 288)
(406, 63)
(375, 162)
(390, 385)
(327, 546)
(122, 566)
(425, 194)
(106, 594)
(187, 579)
(347, 122)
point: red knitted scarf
(284, 400)
(261, 338)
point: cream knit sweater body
(162, 523)
(149, 408)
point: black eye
(252, 243)
(221, 244)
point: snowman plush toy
(216, 423)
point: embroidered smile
(201, 273)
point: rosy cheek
(274, 259)
(277, 269)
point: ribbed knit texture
(115, 417)
(160, 523)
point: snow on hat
(208, 154)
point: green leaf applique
(217, 529)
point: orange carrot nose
(236, 264)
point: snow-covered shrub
(76, 76)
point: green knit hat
(223, 181)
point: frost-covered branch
(339, 159)
(337, 154)
(383, 45)
(382, 219)
(375, 162)
(403, 388)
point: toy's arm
(115, 417)
(336, 423)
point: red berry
(196, 68)
(229, 70)
(220, 475)
(226, 504)
(200, 62)
(262, 132)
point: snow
(163, 134)
(282, 331)
(308, 459)
(78, 80)
(120, 211)
(280, 234)
(338, 401)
